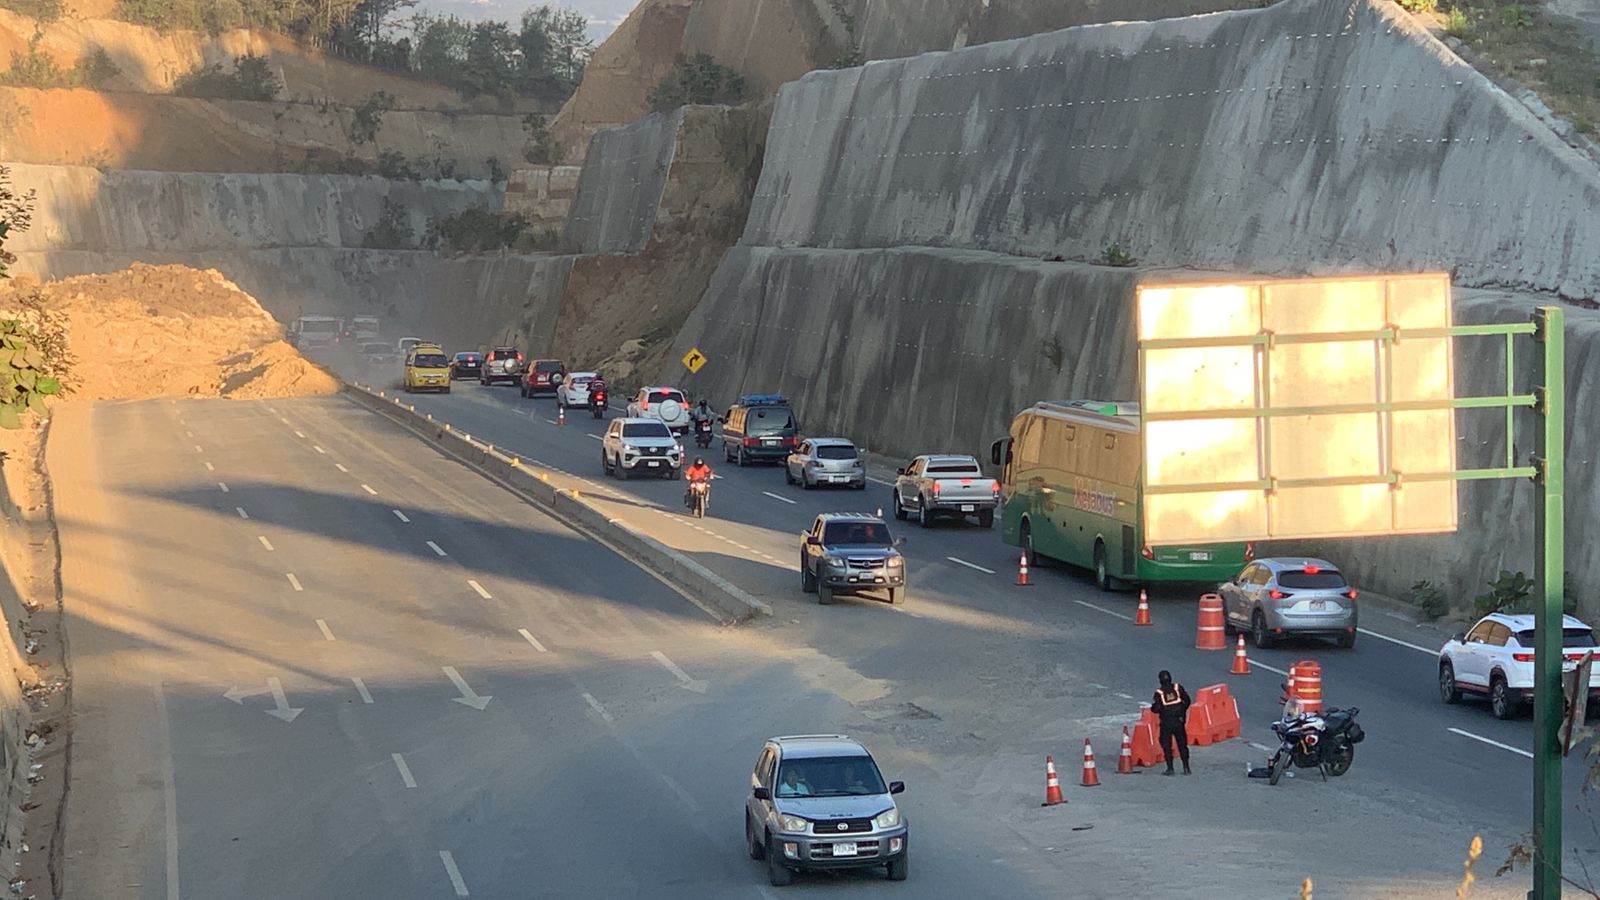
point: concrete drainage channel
(708, 590)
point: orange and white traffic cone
(1022, 570)
(1142, 617)
(1241, 663)
(1091, 777)
(1052, 784)
(1125, 758)
(561, 414)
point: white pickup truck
(945, 486)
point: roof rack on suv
(763, 400)
(801, 737)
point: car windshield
(1310, 580)
(829, 776)
(319, 326)
(430, 361)
(646, 430)
(869, 533)
(503, 354)
(1570, 637)
(769, 420)
(577, 380)
(836, 451)
(466, 357)
(664, 396)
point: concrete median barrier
(708, 590)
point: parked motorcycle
(702, 433)
(699, 498)
(1326, 742)
(597, 402)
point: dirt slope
(155, 331)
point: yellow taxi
(427, 369)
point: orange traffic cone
(1022, 570)
(1142, 617)
(1241, 663)
(1052, 784)
(561, 414)
(1125, 758)
(1091, 777)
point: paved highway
(1022, 672)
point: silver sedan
(825, 461)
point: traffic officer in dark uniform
(1171, 705)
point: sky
(604, 15)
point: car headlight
(835, 561)
(895, 562)
(629, 448)
(889, 818)
(793, 823)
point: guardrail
(706, 589)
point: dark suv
(851, 553)
(502, 364)
(466, 364)
(543, 377)
(760, 427)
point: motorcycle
(597, 402)
(1326, 742)
(699, 498)
(702, 433)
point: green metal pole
(1549, 547)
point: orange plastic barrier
(1146, 749)
(1209, 633)
(1199, 725)
(1222, 713)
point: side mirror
(761, 793)
(897, 787)
(899, 542)
(900, 471)
(810, 539)
(1460, 637)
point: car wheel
(808, 581)
(986, 518)
(622, 471)
(899, 510)
(605, 464)
(744, 458)
(1449, 691)
(778, 874)
(924, 517)
(1102, 574)
(806, 482)
(1501, 701)
(758, 850)
(824, 596)
(1259, 635)
(788, 474)
(1346, 640)
(897, 596)
(898, 867)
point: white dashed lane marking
(400, 515)
(369, 490)
(438, 551)
(294, 582)
(326, 631)
(264, 542)
(962, 562)
(479, 588)
(1493, 743)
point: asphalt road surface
(314, 658)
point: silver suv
(1283, 596)
(640, 445)
(817, 801)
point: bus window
(1028, 449)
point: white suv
(640, 445)
(1495, 659)
(665, 404)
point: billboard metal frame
(1546, 469)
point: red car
(543, 376)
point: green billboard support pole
(1549, 566)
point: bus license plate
(844, 849)
(1200, 556)
(968, 507)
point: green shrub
(1456, 24)
(25, 379)
(394, 166)
(540, 148)
(1429, 600)
(1114, 255)
(43, 10)
(497, 172)
(475, 230)
(1419, 6)
(392, 231)
(1515, 15)
(252, 78)
(698, 79)
(1507, 593)
(368, 118)
(35, 69)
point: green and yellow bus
(1070, 490)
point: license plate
(1200, 556)
(1319, 604)
(770, 442)
(844, 849)
(652, 463)
(968, 507)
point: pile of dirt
(158, 331)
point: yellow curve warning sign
(694, 359)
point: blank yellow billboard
(1295, 408)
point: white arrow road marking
(400, 515)
(405, 770)
(699, 687)
(479, 588)
(237, 694)
(778, 497)
(532, 640)
(436, 549)
(284, 710)
(454, 873)
(326, 631)
(294, 582)
(264, 542)
(1477, 737)
(962, 562)
(468, 697)
(361, 688)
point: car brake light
(1312, 570)
(1350, 593)
(966, 482)
(1276, 594)
(1249, 551)
(938, 486)
(751, 442)
(1146, 552)
(1522, 657)
(996, 488)
(791, 442)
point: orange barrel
(1209, 634)
(1308, 687)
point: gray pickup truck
(945, 486)
(851, 554)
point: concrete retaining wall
(1308, 137)
(624, 174)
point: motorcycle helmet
(699, 461)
